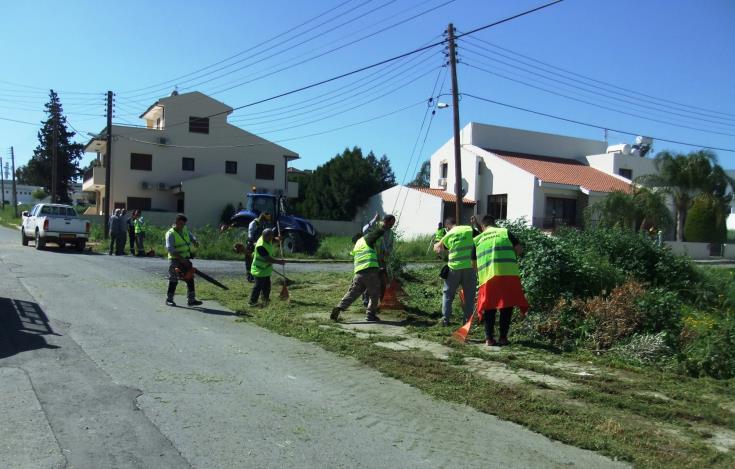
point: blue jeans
(467, 279)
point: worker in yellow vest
(262, 267)
(367, 272)
(139, 230)
(460, 268)
(179, 241)
(500, 283)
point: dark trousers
(117, 243)
(262, 285)
(173, 281)
(131, 239)
(139, 248)
(489, 316)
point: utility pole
(15, 192)
(455, 113)
(54, 156)
(2, 182)
(108, 161)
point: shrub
(616, 316)
(645, 348)
(660, 312)
(713, 352)
(705, 222)
(227, 214)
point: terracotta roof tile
(565, 171)
(445, 196)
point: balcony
(94, 179)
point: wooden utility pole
(2, 183)
(55, 156)
(108, 161)
(15, 192)
(455, 113)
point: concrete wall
(611, 163)
(417, 213)
(23, 192)
(340, 228)
(693, 250)
(504, 178)
(535, 143)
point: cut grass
(620, 413)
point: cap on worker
(268, 232)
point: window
(265, 171)
(187, 164)
(141, 161)
(626, 173)
(231, 167)
(180, 206)
(199, 125)
(139, 203)
(444, 169)
(560, 212)
(497, 206)
(479, 168)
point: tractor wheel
(292, 243)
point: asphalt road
(96, 372)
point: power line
(603, 82)
(19, 121)
(665, 108)
(596, 126)
(334, 49)
(596, 104)
(371, 66)
(321, 14)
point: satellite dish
(465, 187)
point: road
(96, 372)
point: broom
(284, 289)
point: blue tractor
(298, 234)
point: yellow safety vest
(182, 243)
(261, 267)
(495, 255)
(365, 256)
(459, 243)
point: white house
(187, 158)
(24, 192)
(512, 173)
(731, 217)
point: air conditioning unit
(144, 185)
(162, 140)
(162, 186)
(442, 182)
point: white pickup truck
(54, 223)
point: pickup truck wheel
(40, 243)
(23, 238)
(80, 246)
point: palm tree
(683, 177)
(638, 210)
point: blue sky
(678, 55)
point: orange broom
(461, 333)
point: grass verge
(649, 417)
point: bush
(645, 348)
(660, 312)
(713, 352)
(227, 214)
(705, 222)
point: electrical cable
(585, 77)
(597, 105)
(596, 126)
(666, 109)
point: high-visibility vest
(439, 234)
(182, 242)
(365, 256)
(495, 255)
(459, 243)
(139, 225)
(262, 267)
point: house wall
(611, 163)
(502, 177)
(245, 148)
(417, 213)
(203, 205)
(534, 143)
(555, 190)
(23, 192)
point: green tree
(684, 177)
(38, 171)
(336, 189)
(39, 194)
(422, 177)
(705, 221)
(639, 210)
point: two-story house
(187, 158)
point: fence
(341, 228)
(700, 251)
